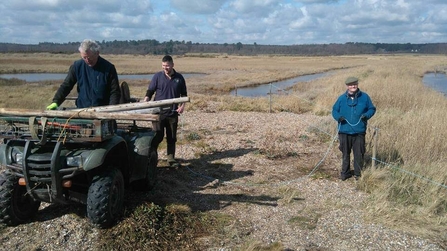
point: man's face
(90, 58)
(167, 67)
(352, 88)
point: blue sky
(279, 22)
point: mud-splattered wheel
(16, 206)
(105, 198)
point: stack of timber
(141, 111)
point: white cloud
(198, 6)
(225, 21)
(259, 7)
(316, 1)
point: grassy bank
(408, 185)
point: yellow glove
(53, 106)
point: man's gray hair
(89, 45)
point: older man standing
(352, 110)
(96, 78)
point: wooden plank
(78, 114)
(135, 106)
(142, 111)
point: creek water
(275, 87)
(436, 81)
(35, 77)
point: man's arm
(149, 94)
(371, 108)
(66, 86)
(115, 90)
(183, 93)
(336, 110)
(151, 88)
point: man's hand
(53, 106)
(363, 118)
(181, 108)
(341, 119)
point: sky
(266, 22)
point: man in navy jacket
(352, 110)
(167, 84)
(96, 78)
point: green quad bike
(64, 160)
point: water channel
(35, 77)
(436, 81)
(275, 87)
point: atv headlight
(16, 156)
(75, 161)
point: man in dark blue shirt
(96, 78)
(167, 84)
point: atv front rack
(49, 129)
(94, 124)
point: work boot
(171, 161)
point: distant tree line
(154, 47)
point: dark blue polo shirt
(166, 88)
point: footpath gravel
(271, 200)
(284, 205)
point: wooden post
(374, 153)
(270, 99)
(134, 106)
(131, 111)
(79, 114)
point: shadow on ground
(182, 185)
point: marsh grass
(19, 94)
(153, 227)
(408, 190)
(407, 187)
(256, 246)
(288, 194)
(277, 147)
(415, 203)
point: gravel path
(271, 200)
(284, 205)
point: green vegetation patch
(305, 222)
(153, 227)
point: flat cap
(351, 80)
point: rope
(327, 152)
(62, 133)
(411, 173)
(334, 138)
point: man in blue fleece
(352, 110)
(96, 78)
